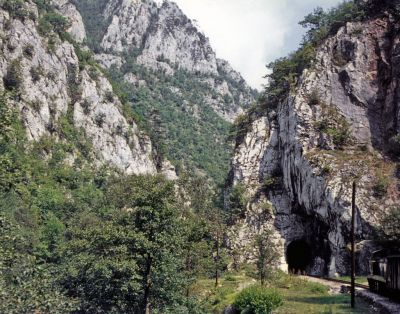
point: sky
(252, 33)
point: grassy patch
(362, 280)
(299, 296)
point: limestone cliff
(294, 161)
(49, 84)
(161, 37)
(171, 74)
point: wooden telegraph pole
(353, 254)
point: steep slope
(60, 92)
(168, 69)
(340, 123)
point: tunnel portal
(298, 256)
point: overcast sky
(251, 33)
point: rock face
(294, 161)
(162, 38)
(52, 85)
(77, 28)
(169, 70)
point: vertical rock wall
(356, 83)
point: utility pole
(353, 254)
(217, 260)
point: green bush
(36, 73)
(16, 8)
(323, 23)
(52, 21)
(314, 98)
(230, 277)
(29, 51)
(381, 186)
(326, 170)
(99, 119)
(238, 200)
(340, 136)
(258, 300)
(13, 78)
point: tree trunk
(217, 262)
(146, 298)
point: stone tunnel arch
(299, 256)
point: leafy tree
(217, 233)
(52, 21)
(26, 284)
(100, 268)
(267, 254)
(132, 261)
(13, 78)
(322, 23)
(237, 202)
(390, 224)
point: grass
(360, 279)
(300, 296)
(215, 300)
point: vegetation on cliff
(79, 238)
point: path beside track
(380, 304)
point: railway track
(358, 285)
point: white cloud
(251, 33)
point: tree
(391, 224)
(237, 202)
(217, 233)
(132, 260)
(26, 284)
(267, 253)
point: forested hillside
(89, 221)
(98, 98)
(161, 64)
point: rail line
(358, 285)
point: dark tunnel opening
(298, 256)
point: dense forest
(79, 238)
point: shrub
(340, 136)
(322, 125)
(240, 128)
(380, 187)
(394, 144)
(13, 78)
(257, 300)
(230, 278)
(322, 23)
(36, 73)
(16, 8)
(85, 57)
(109, 96)
(238, 200)
(29, 51)
(99, 119)
(326, 170)
(314, 98)
(86, 106)
(52, 21)
(269, 182)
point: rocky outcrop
(334, 128)
(162, 38)
(68, 10)
(50, 85)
